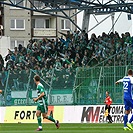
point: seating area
(57, 60)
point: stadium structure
(58, 8)
(105, 59)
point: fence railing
(19, 87)
(92, 83)
(85, 85)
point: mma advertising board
(92, 114)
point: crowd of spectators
(64, 54)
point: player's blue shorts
(128, 104)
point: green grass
(64, 128)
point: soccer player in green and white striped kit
(42, 107)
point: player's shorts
(128, 104)
(42, 108)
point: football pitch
(64, 128)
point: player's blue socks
(125, 120)
(131, 119)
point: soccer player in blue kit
(128, 98)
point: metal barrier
(92, 83)
(20, 88)
(85, 85)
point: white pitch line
(61, 131)
(74, 127)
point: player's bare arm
(36, 99)
(116, 82)
(120, 80)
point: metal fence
(19, 87)
(92, 83)
(85, 85)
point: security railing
(19, 88)
(83, 85)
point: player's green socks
(51, 118)
(39, 121)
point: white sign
(61, 99)
(45, 32)
(2, 114)
(18, 94)
(93, 114)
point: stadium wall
(65, 114)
